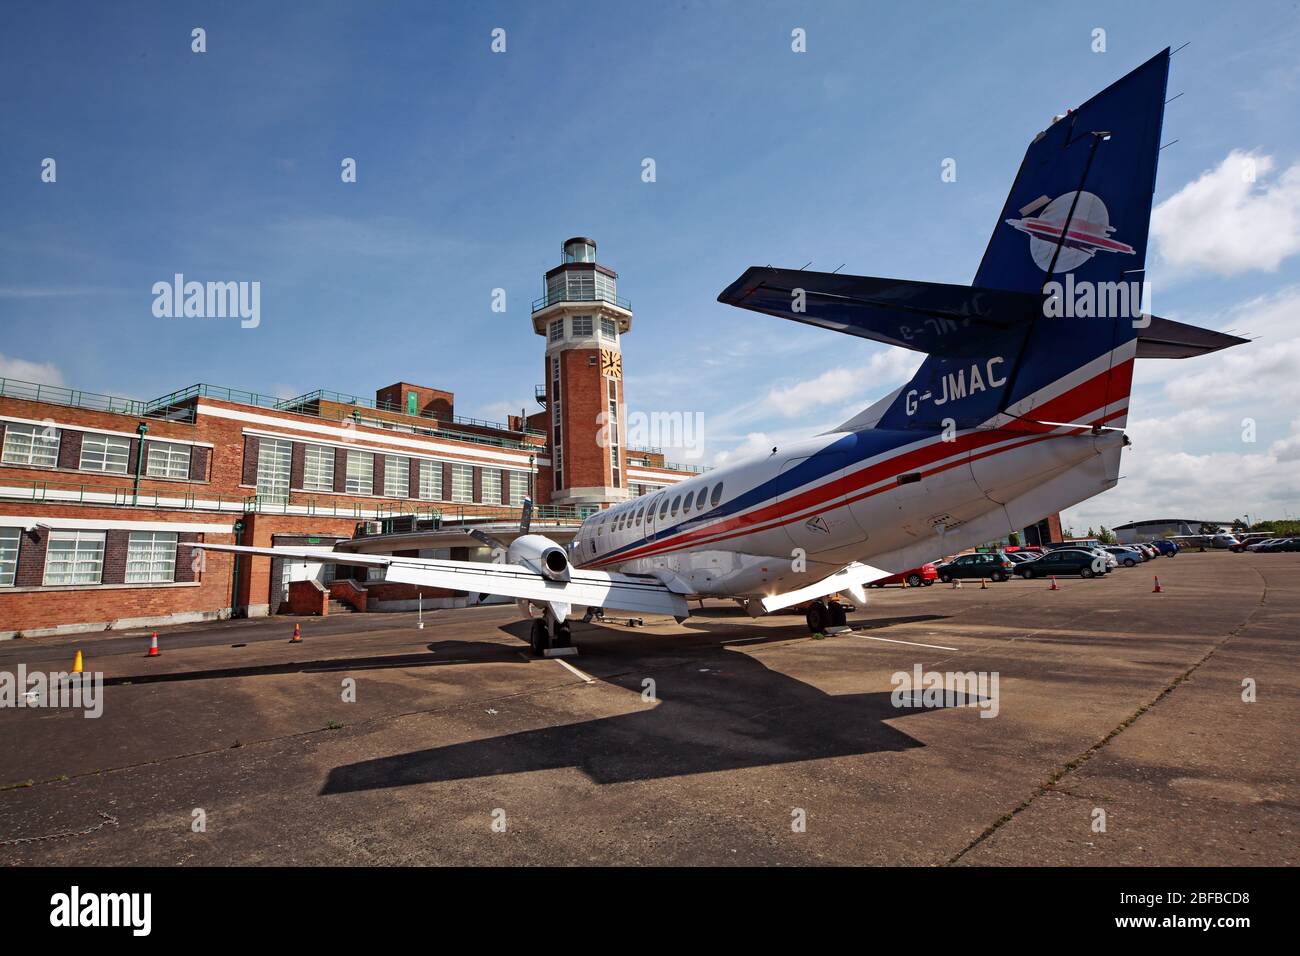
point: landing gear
(548, 634)
(838, 616)
(818, 617)
(539, 638)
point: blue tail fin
(1049, 330)
(1074, 224)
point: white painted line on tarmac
(569, 667)
(890, 640)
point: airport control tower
(582, 319)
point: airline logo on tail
(1089, 231)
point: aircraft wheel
(538, 638)
(818, 617)
(838, 617)
(563, 635)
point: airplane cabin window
(639, 512)
(686, 505)
(717, 495)
(663, 509)
(673, 510)
(701, 498)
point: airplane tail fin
(1050, 329)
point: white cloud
(883, 371)
(1230, 220)
(42, 373)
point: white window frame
(608, 329)
(35, 446)
(318, 468)
(490, 485)
(83, 563)
(360, 479)
(582, 326)
(110, 454)
(151, 557)
(462, 482)
(274, 465)
(397, 476)
(166, 459)
(555, 331)
(518, 488)
(430, 481)
(10, 544)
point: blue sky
(474, 166)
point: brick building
(100, 495)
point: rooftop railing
(72, 397)
(554, 298)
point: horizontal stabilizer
(931, 317)
(1165, 338)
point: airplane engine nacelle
(540, 553)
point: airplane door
(821, 525)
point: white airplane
(1014, 414)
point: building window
(615, 472)
(167, 460)
(608, 329)
(35, 445)
(318, 468)
(109, 453)
(518, 488)
(431, 480)
(360, 473)
(462, 482)
(581, 325)
(397, 476)
(150, 557)
(273, 461)
(74, 557)
(555, 331)
(491, 486)
(8, 555)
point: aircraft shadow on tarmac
(723, 712)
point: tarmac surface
(724, 740)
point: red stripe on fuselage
(1083, 398)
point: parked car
(1281, 544)
(1260, 544)
(1062, 562)
(1019, 557)
(1167, 548)
(926, 575)
(1146, 550)
(1129, 557)
(994, 565)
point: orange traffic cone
(297, 636)
(1158, 589)
(153, 646)
(1055, 586)
(984, 584)
(76, 664)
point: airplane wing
(849, 579)
(623, 592)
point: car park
(1063, 562)
(1280, 544)
(925, 575)
(994, 565)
